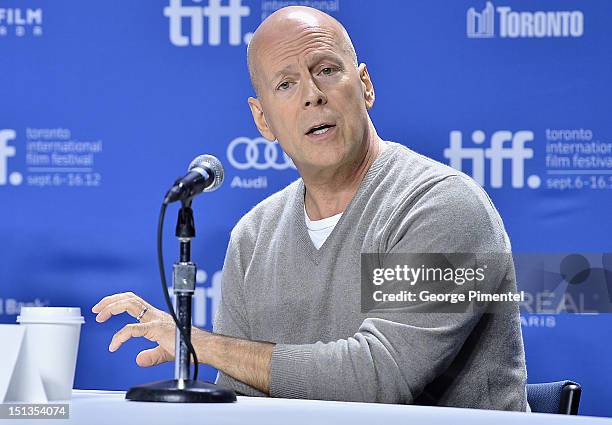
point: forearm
(386, 361)
(246, 361)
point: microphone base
(190, 392)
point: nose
(313, 96)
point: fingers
(111, 299)
(153, 357)
(130, 305)
(123, 302)
(132, 330)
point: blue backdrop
(103, 104)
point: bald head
(280, 25)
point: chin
(326, 161)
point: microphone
(205, 174)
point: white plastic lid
(63, 315)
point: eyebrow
(319, 57)
(316, 58)
(286, 70)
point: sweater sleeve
(230, 318)
(392, 359)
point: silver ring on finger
(142, 313)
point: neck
(329, 192)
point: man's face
(312, 96)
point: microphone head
(212, 165)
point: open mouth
(320, 129)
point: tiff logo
(6, 152)
(498, 151)
(523, 24)
(177, 13)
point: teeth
(322, 131)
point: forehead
(303, 42)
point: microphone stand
(182, 389)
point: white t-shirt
(319, 230)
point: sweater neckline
(299, 208)
(323, 223)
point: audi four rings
(244, 153)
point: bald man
(290, 322)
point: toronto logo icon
(523, 24)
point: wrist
(202, 341)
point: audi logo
(244, 153)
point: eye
(327, 71)
(283, 86)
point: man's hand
(155, 325)
(246, 361)
(130, 303)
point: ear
(367, 86)
(260, 119)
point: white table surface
(111, 408)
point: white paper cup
(52, 338)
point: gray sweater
(278, 287)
